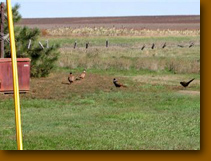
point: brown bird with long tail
(118, 84)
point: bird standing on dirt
(118, 84)
(71, 78)
(185, 84)
(82, 76)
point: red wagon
(6, 77)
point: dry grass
(44, 32)
(183, 66)
(175, 61)
(103, 31)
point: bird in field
(164, 45)
(87, 45)
(191, 45)
(185, 84)
(107, 43)
(75, 44)
(83, 74)
(180, 46)
(143, 47)
(153, 46)
(71, 78)
(118, 84)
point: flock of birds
(153, 46)
(165, 45)
(71, 79)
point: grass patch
(118, 41)
(110, 121)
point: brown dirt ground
(135, 22)
(189, 92)
(56, 86)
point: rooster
(71, 78)
(118, 84)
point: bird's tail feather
(191, 80)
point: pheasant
(185, 84)
(75, 44)
(164, 45)
(87, 45)
(71, 78)
(82, 76)
(143, 47)
(191, 45)
(153, 46)
(118, 84)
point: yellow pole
(15, 77)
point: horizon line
(113, 16)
